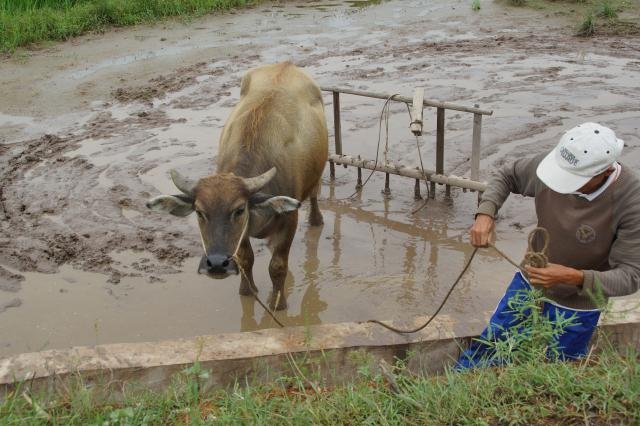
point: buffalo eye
(237, 213)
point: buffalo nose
(218, 264)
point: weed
(532, 338)
(475, 5)
(607, 10)
(588, 26)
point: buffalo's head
(227, 205)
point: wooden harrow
(436, 176)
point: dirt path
(90, 128)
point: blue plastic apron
(571, 344)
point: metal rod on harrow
(400, 170)
(475, 147)
(426, 102)
(439, 149)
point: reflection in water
(311, 305)
(404, 251)
(335, 261)
(409, 265)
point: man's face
(596, 181)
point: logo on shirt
(569, 157)
(586, 234)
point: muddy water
(90, 128)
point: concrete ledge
(330, 352)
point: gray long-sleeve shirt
(599, 237)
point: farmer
(590, 205)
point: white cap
(582, 153)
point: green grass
(24, 22)
(475, 5)
(605, 390)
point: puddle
(357, 267)
(98, 267)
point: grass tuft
(607, 10)
(475, 5)
(588, 26)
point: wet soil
(90, 128)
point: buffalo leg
(279, 264)
(315, 217)
(245, 259)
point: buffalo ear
(277, 205)
(177, 205)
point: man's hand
(482, 230)
(554, 274)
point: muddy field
(90, 128)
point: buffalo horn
(183, 184)
(255, 184)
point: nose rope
(245, 228)
(234, 256)
(537, 259)
(292, 361)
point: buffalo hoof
(316, 220)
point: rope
(537, 259)
(245, 229)
(424, 203)
(385, 110)
(292, 361)
(531, 258)
(384, 116)
(414, 330)
(530, 255)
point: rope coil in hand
(537, 259)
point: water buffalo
(272, 152)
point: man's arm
(624, 258)
(518, 177)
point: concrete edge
(263, 355)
